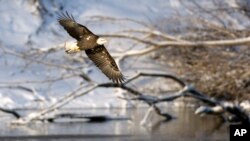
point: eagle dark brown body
(92, 45)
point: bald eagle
(93, 46)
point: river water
(186, 126)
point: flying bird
(93, 46)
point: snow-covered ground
(32, 23)
(26, 24)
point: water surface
(186, 126)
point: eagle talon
(69, 51)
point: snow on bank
(33, 23)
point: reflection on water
(186, 126)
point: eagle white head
(101, 41)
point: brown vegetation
(223, 72)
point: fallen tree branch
(185, 90)
(73, 95)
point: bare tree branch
(12, 112)
(214, 43)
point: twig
(12, 112)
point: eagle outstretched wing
(102, 59)
(72, 27)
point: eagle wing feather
(103, 60)
(74, 29)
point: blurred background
(32, 53)
(35, 71)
